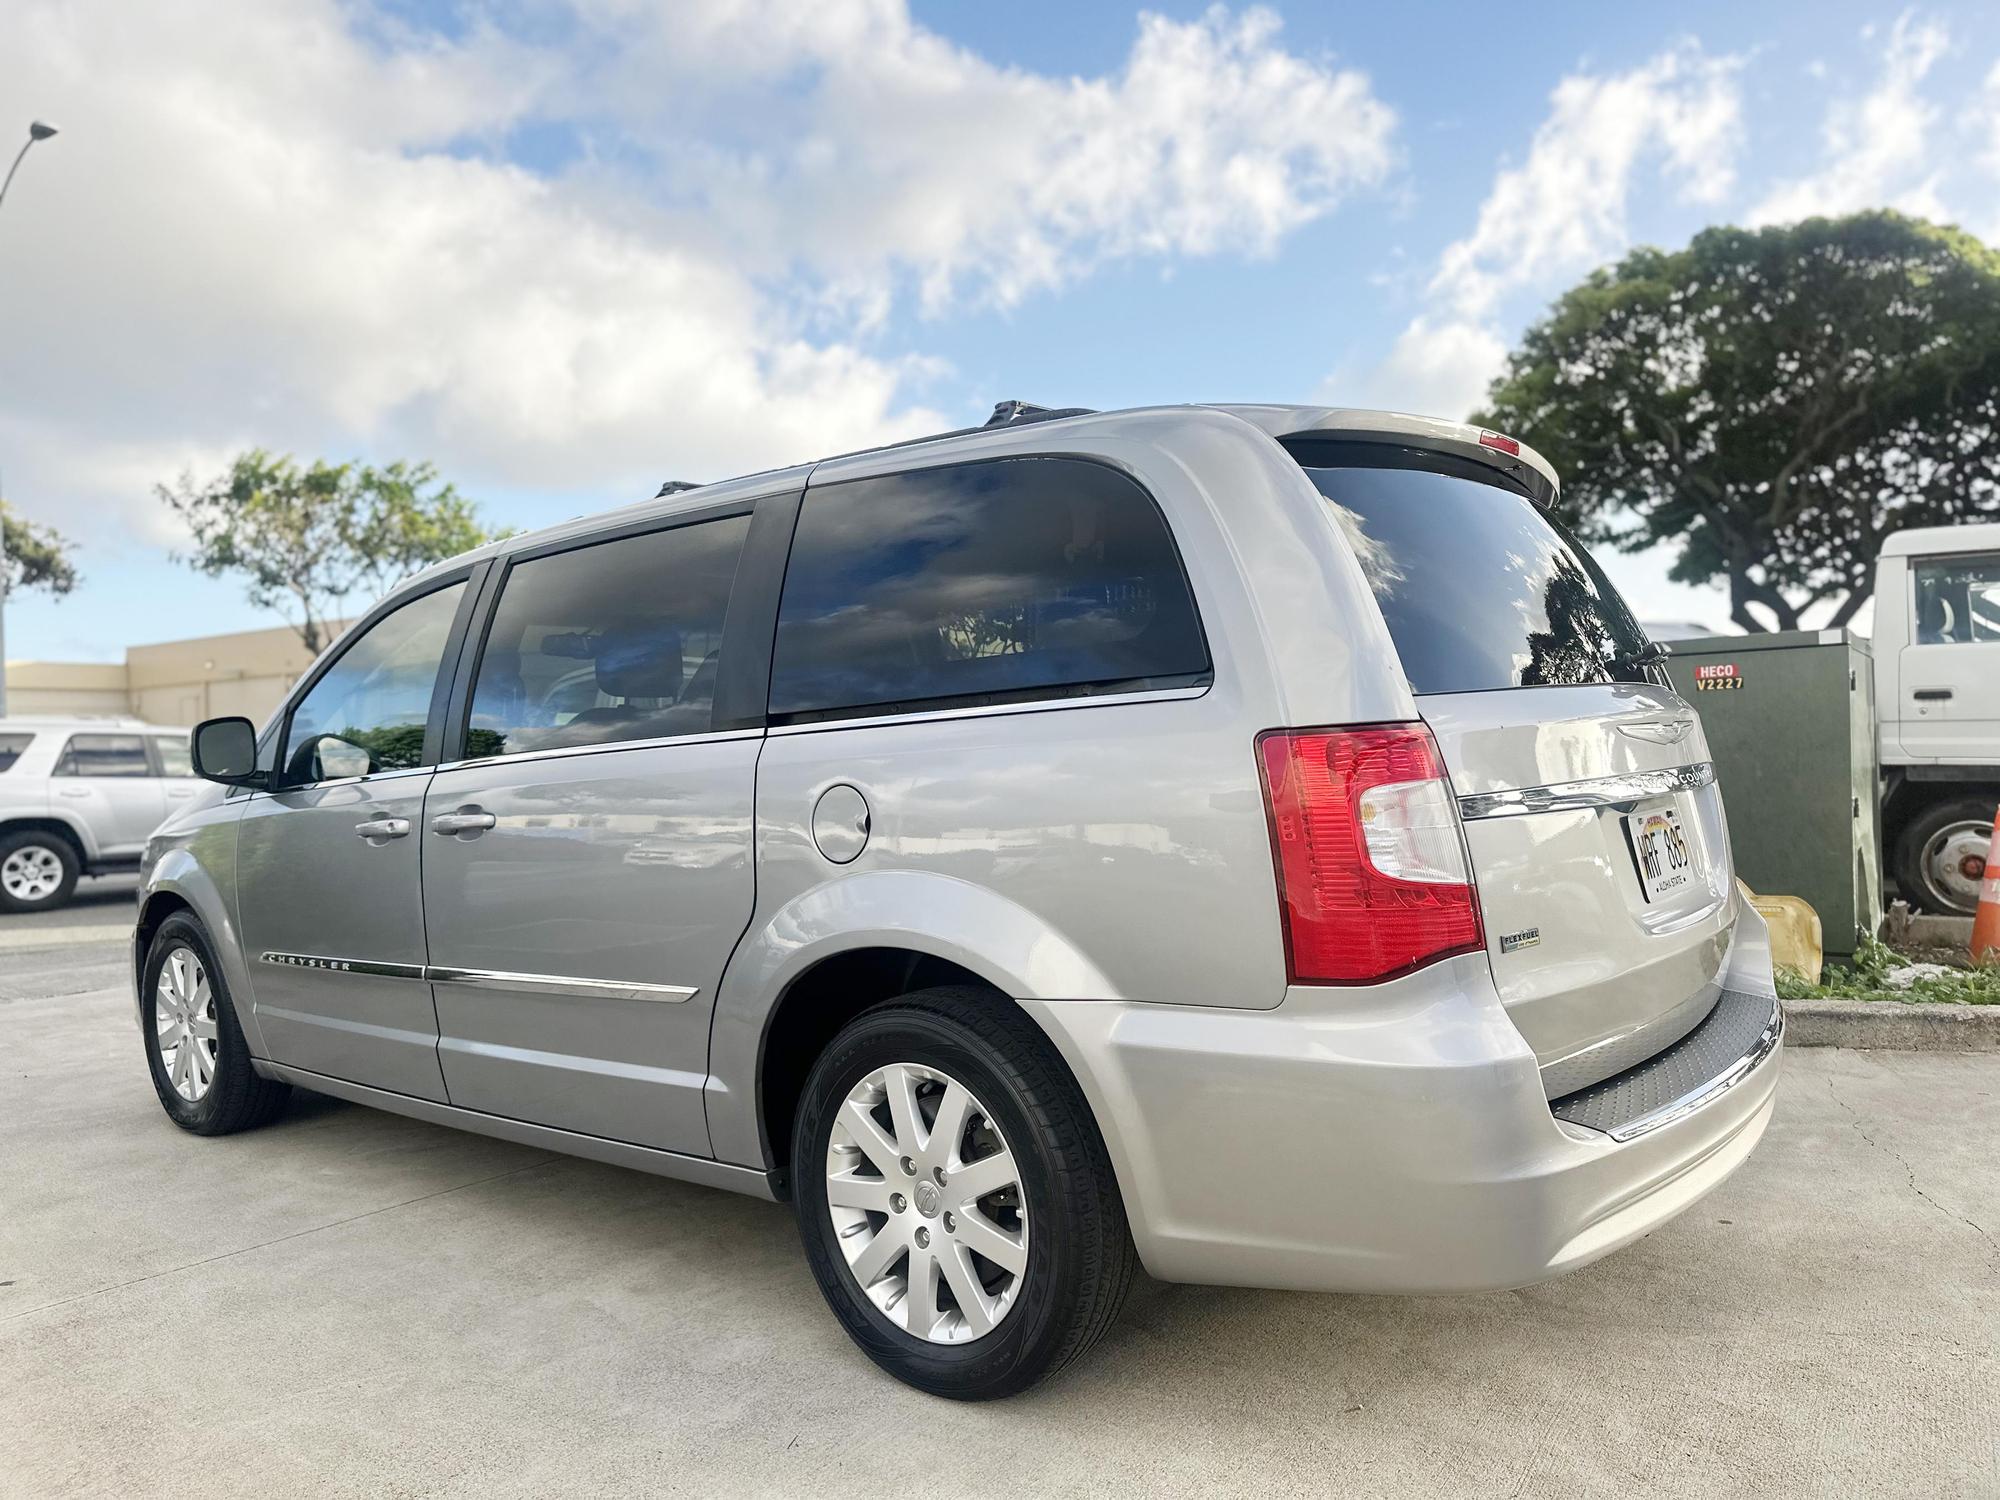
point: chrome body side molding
(545, 984)
(561, 984)
(1624, 790)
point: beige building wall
(61, 687)
(174, 682)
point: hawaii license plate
(1664, 855)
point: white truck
(1937, 698)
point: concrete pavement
(351, 1303)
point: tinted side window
(173, 752)
(620, 640)
(11, 748)
(104, 755)
(368, 712)
(997, 581)
(1958, 600)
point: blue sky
(565, 250)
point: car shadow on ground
(669, 1253)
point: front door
(328, 890)
(587, 865)
(107, 781)
(1949, 675)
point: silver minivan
(1252, 843)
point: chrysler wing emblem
(1659, 731)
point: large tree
(306, 538)
(1771, 402)
(35, 557)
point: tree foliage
(37, 557)
(307, 538)
(1771, 402)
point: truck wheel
(955, 1197)
(1941, 855)
(38, 870)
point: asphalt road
(350, 1303)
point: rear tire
(38, 870)
(1931, 853)
(194, 1046)
(1063, 1223)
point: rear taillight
(1371, 868)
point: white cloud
(1564, 207)
(1877, 147)
(1561, 211)
(1986, 129)
(1437, 367)
(299, 225)
(891, 150)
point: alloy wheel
(32, 872)
(927, 1204)
(184, 1023)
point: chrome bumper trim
(1623, 790)
(494, 979)
(1703, 1094)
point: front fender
(972, 926)
(188, 872)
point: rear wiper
(1652, 654)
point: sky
(565, 249)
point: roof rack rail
(1014, 413)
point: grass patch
(1868, 979)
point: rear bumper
(1391, 1140)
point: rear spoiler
(1511, 459)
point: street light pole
(38, 130)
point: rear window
(104, 755)
(1480, 587)
(11, 748)
(978, 583)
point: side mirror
(225, 750)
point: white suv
(79, 796)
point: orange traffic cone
(1986, 921)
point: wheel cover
(926, 1203)
(184, 1025)
(33, 872)
(1953, 860)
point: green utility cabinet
(1790, 720)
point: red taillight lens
(1500, 441)
(1371, 871)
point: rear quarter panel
(1077, 850)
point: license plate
(1664, 856)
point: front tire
(955, 1197)
(38, 871)
(194, 1047)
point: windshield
(1481, 589)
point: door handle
(383, 828)
(75, 792)
(469, 820)
(1931, 695)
